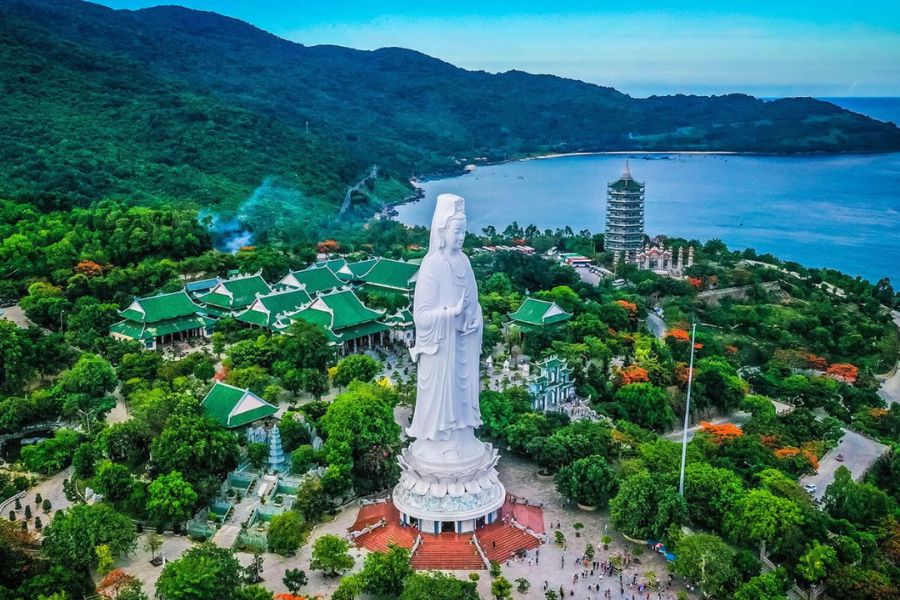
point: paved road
(738, 417)
(16, 315)
(656, 325)
(890, 387)
(859, 454)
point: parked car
(810, 487)
(840, 458)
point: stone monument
(448, 480)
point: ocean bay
(836, 211)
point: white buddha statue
(447, 473)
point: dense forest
(174, 104)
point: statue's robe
(448, 356)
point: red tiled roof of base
(500, 541)
(447, 551)
(525, 515)
(380, 538)
(369, 514)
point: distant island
(172, 104)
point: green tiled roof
(392, 274)
(341, 314)
(236, 293)
(626, 184)
(360, 268)
(130, 329)
(265, 310)
(143, 331)
(232, 407)
(160, 307)
(335, 264)
(347, 309)
(362, 330)
(315, 280)
(400, 317)
(539, 313)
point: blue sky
(766, 47)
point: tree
(768, 586)
(761, 517)
(153, 544)
(710, 493)
(818, 560)
(196, 447)
(172, 499)
(204, 571)
(435, 585)
(45, 505)
(257, 453)
(73, 534)
(646, 507)
(294, 580)
(356, 367)
(361, 434)
(253, 571)
(501, 589)
(114, 481)
(92, 376)
(83, 461)
(105, 559)
(383, 573)
(706, 559)
(311, 499)
(314, 383)
(590, 481)
(303, 459)
(646, 405)
(285, 533)
(862, 504)
(330, 555)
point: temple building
(234, 294)
(551, 385)
(160, 319)
(538, 314)
(389, 276)
(313, 280)
(232, 406)
(624, 215)
(266, 310)
(659, 259)
(348, 323)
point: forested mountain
(175, 103)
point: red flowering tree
(679, 335)
(89, 268)
(328, 247)
(633, 374)
(720, 432)
(115, 582)
(631, 307)
(844, 372)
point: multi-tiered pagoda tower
(624, 216)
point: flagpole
(687, 410)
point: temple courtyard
(549, 563)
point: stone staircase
(447, 551)
(501, 541)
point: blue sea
(841, 212)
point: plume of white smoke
(272, 207)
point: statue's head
(448, 227)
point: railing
(484, 558)
(416, 544)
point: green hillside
(171, 103)
(80, 126)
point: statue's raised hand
(459, 306)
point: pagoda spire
(626, 174)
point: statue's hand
(458, 307)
